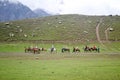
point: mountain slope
(41, 13)
(14, 11)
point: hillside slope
(60, 27)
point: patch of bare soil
(58, 56)
(97, 31)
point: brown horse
(86, 49)
(28, 49)
(76, 49)
(95, 49)
(32, 50)
(90, 49)
(36, 50)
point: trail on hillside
(97, 31)
(106, 34)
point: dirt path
(97, 31)
(106, 34)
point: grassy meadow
(110, 47)
(15, 64)
(84, 66)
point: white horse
(53, 50)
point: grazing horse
(76, 49)
(36, 50)
(65, 49)
(95, 49)
(86, 49)
(52, 49)
(28, 49)
(43, 49)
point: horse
(28, 49)
(43, 49)
(86, 49)
(76, 49)
(36, 50)
(52, 49)
(95, 49)
(32, 50)
(65, 49)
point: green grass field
(21, 66)
(112, 47)
(17, 65)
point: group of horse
(38, 50)
(65, 49)
(34, 50)
(91, 49)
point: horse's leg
(29, 50)
(34, 51)
(96, 50)
(51, 50)
(90, 49)
(38, 51)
